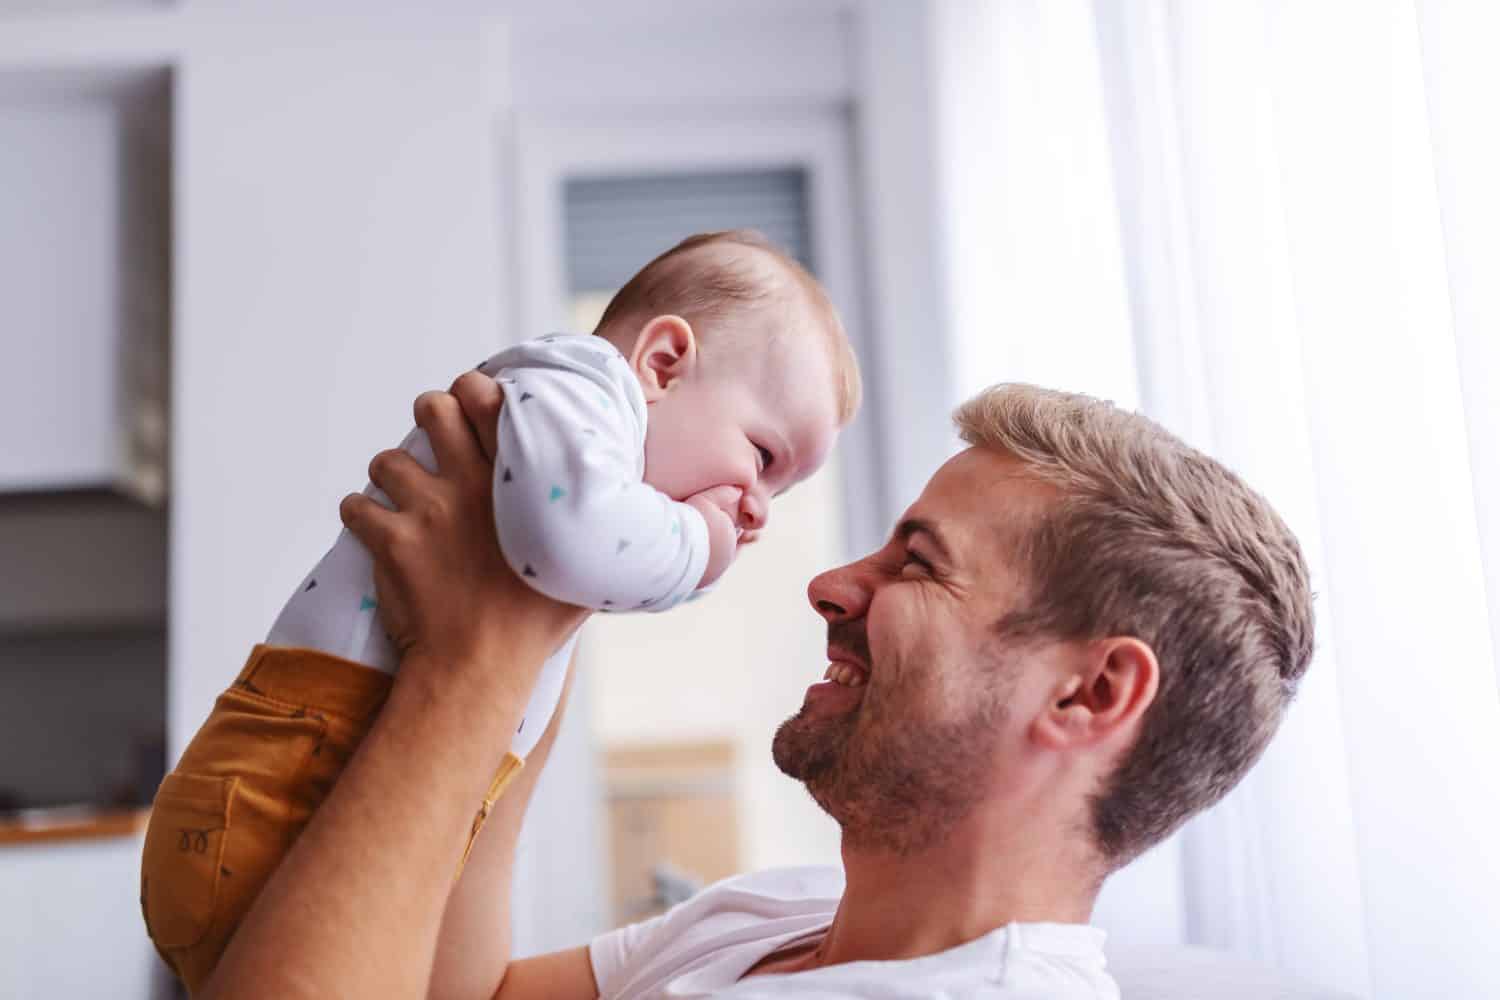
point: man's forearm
(473, 949)
(355, 907)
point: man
(1081, 634)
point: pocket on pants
(183, 857)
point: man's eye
(766, 458)
(914, 560)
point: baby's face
(739, 433)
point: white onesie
(572, 514)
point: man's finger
(401, 477)
(459, 455)
(366, 520)
(480, 397)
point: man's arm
(355, 907)
(561, 975)
(473, 950)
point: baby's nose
(753, 511)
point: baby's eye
(766, 458)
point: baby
(632, 466)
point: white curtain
(1273, 225)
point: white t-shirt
(702, 947)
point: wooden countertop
(36, 826)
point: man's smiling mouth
(846, 674)
(845, 668)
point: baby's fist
(723, 535)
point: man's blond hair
(709, 278)
(1152, 539)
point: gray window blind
(614, 225)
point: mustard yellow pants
(245, 787)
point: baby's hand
(723, 535)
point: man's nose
(838, 595)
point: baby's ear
(665, 351)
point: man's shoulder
(768, 893)
(728, 914)
(748, 898)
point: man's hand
(444, 589)
(480, 397)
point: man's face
(901, 757)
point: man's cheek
(899, 614)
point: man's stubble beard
(896, 785)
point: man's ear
(665, 351)
(1103, 698)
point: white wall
(336, 253)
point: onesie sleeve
(572, 513)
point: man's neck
(909, 905)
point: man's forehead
(977, 492)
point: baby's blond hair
(707, 278)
